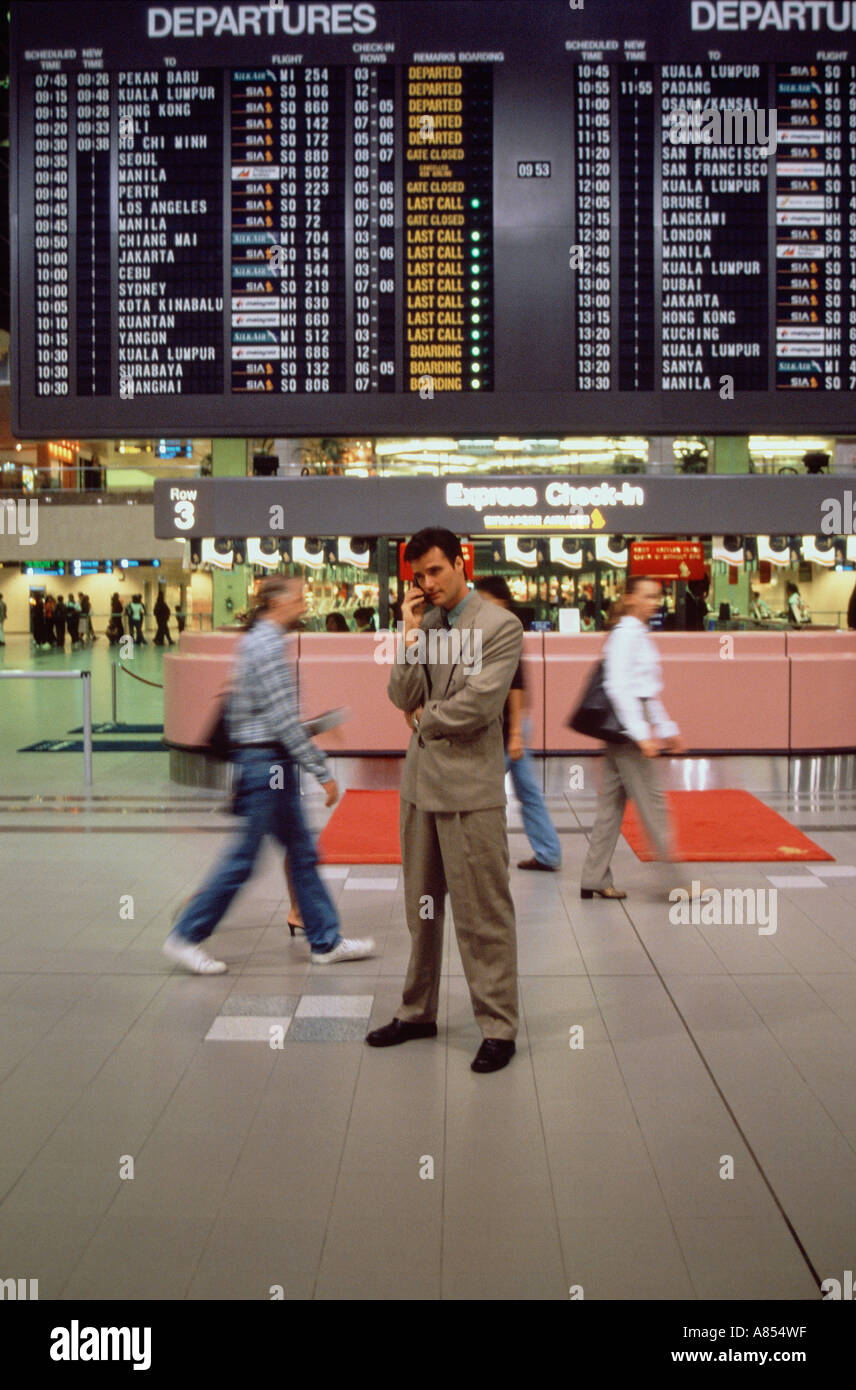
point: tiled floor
(158, 1140)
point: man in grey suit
(453, 686)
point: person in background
(87, 635)
(37, 621)
(3, 612)
(115, 629)
(180, 618)
(334, 622)
(136, 612)
(695, 604)
(851, 610)
(759, 609)
(162, 611)
(633, 681)
(798, 610)
(588, 615)
(264, 726)
(364, 619)
(49, 637)
(59, 622)
(73, 615)
(540, 831)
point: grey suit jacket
(457, 760)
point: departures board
(445, 218)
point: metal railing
(86, 677)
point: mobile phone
(427, 605)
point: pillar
(229, 587)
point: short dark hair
(497, 586)
(427, 539)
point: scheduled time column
(594, 218)
(52, 233)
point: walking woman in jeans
(633, 682)
(264, 726)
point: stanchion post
(87, 727)
(114, 691)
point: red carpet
(727, 826)
(363, 829)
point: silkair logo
(76, 1343)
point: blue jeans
(266, 811)
(536, 818)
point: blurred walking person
(633, 681)
(270, 745)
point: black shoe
(534, 863)
(398, 1032)
(493, 1055)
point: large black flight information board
(439, 217)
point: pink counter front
(741, 691)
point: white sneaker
(192, 956)
(346, 950)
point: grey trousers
(466, 854)
(626, 773)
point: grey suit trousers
(466, 854)
(626, 773)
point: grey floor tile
(134, 1256)
(252, 1258)
(369, 1260)
(49, 1191)
(743, 1259)
(636, 1258)
(47, 1249)
(491, 1254)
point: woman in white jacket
(633, 681)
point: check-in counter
(346, 668)
(822, 671)
(736, 691)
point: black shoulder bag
(217, 744)
(595, 715)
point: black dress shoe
(399, 1032)
(493, 1054)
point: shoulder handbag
(595, 714)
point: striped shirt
(263, 703)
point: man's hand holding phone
(413, 608)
